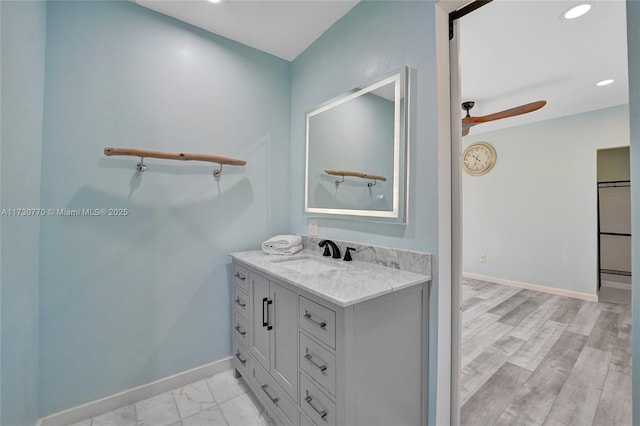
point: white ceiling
(517, 51)
(282, 28)
(512, 51)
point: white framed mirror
(356, 152)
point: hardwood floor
(531, 358)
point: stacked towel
(283, 244)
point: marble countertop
(339, 282)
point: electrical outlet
(312, 227)
(483, 258)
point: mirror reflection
(356, 147)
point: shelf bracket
(141, 167)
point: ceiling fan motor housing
(467, 106)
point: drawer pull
(274, 400)
(239, 330)
(242, 361)
(307, 315)
(321, 413)
(241, 277)
(320, 367)
(239, 302)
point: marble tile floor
(531, 358)
(220, 400)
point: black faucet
(334, 247)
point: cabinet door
(260, 342)
(284, 338)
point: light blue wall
(23, 44)
(633, 46)
(546, 204)
(371, 40)
(354, 51)
(129, 300)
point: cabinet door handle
(241, 277)
(274, 400)
(242, 361)
(321, 413)
(307, 315)
(239, 302)
(269, 326)
(320, 367)
(264, 309)
(239, 330)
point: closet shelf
(614, 184)
(182, 156)
(362, 175)
(615, 272)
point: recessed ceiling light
(605, 82)
(576, 11)
(215, 1)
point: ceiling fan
(468, 121)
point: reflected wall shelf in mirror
(362, 133)
(343, 173)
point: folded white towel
(280, 242)
(285, 251)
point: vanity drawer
(318, 362)
(241, 301)
(240, 358)
(316, 404)
(241, 330)
(318, 321)
(273, 396)
(241, 277)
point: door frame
(449, 220)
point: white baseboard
(131, 396)
(536, 287)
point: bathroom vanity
(322, 341)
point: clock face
(478, 158)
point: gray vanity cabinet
(313, 362)
(274, 337)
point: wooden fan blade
(519, 110)
(465, 131)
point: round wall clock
(478, 158)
